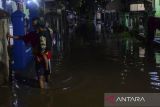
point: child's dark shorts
(40, 69)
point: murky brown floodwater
(110, 64)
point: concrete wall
(4, 59)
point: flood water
(96, 63)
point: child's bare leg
(42, 82)
(46, 61)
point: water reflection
(157, 56)
(152, 66)
(14, 88)
(99, 28)
(141, 58)
(133, 61)
(154, 74)
(155, 81)
(141, 52)
(59, 43)
(127, 51)
(101, 35)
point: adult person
(37, 40)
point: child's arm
(14, 37)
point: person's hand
(8, 35)
(38, 59)
(14, 37)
